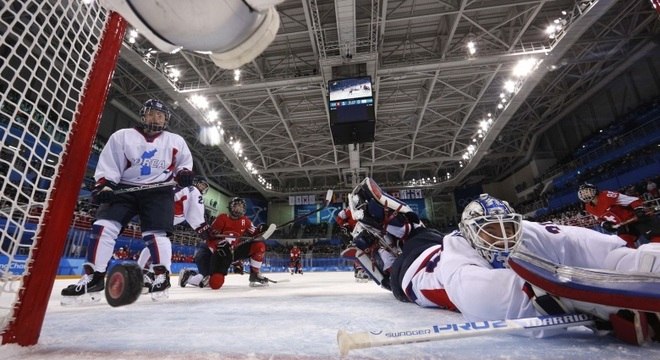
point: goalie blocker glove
(104, 191)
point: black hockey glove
(222, 258)
(412, 217)
(608, 226)
(344, 231)
(640, 212)
(185, 177)
(104, 191)
(204, 231)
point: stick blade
(278, 281)
(344, 341)
(351, 341)
(271, 229)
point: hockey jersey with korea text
(134, 158)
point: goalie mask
(237, 207)
(587, 192)
(155, 116)
(492, 227)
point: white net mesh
(46, 52)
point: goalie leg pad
(630, 326)
(649, 258)
(380, 278)
(124, 284)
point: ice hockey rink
(298, 319)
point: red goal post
(58, 58)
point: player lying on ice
(499, 266)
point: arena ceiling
(430, 94)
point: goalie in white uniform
(145, 155)
(474, 268)
(468, 270)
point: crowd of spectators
(624, 130)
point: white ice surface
(292, 320)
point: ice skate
(148, 280)
(258, 280)
(89, 289)
(161, 284)
(184, 276)
(361, 276)
(237, 267)
(205, 281)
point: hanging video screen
(351, 100)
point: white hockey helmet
(492, 227)
(587, 192)
(201, 184)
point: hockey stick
(367, 339)
(258, 237)
(278, 281)
(631, 220)
(328, 199)
(144, 187)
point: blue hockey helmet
(154, 105)
(492, 227)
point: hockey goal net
(57, 60)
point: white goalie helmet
(492, 227)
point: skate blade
(160, 295)
(81, 300)
(258, 284)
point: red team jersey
(613, 207)
(232, 228)
(295, 254)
